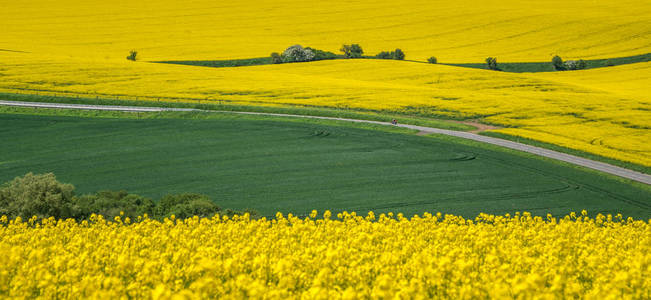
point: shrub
(111, 203)
(37, 195)
(557, 63)
(432, 60)
(492, 63)
(321, 55)
(132, 55)
(384, 55)
(352, 51)
(297, 53)
(574, 64)
(276, 58)
(398, 54)
(186, 205)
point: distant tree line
(43, 196)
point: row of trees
(298, 53)
(43, 196)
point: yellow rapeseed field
(80, 48)
(336, 257)
(453, 31)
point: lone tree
(432, 60)
(132, 55)
(352, 51)
(492, 63)
(557, 62)
(398, 54)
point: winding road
(575, 160)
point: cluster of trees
(560, 65)
(298, 53)
(43, 196)
(397, 54)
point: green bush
(491, 62)
(432, 60)
(321, 55)
(132, 55)
(352, 51)
(384, 55)
(43, 196)
(112, 203)
(276, 58)
(186, 205)
(557, 63)
(398, 54)
(37, 195)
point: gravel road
(579, 161)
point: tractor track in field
(568, 158)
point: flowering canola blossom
(339, 257)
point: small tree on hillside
(132, 55)
(557, 62)
(276, 58)
(37, 195)
(432, 60)
(398, 54)
(492, 63)
(352, 51)
(384, 55)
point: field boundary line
(568, 158)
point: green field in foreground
(272, 165)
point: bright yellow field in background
(80, 47)
(347, 257)
(453, 31)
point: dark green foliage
(322, 55)
(398, 54)
(43, 196)
(37, 195)
(186, 205)
(132, 55)
(112, 203)
(385, 55)
(432, 60)
(557, 63)
(491, 63)
(581, 64)
(276, 58)
(290, 165)
(352, 51)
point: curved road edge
(568, 158)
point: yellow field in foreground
(349, 258)
(453, 31)
(569, 109)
